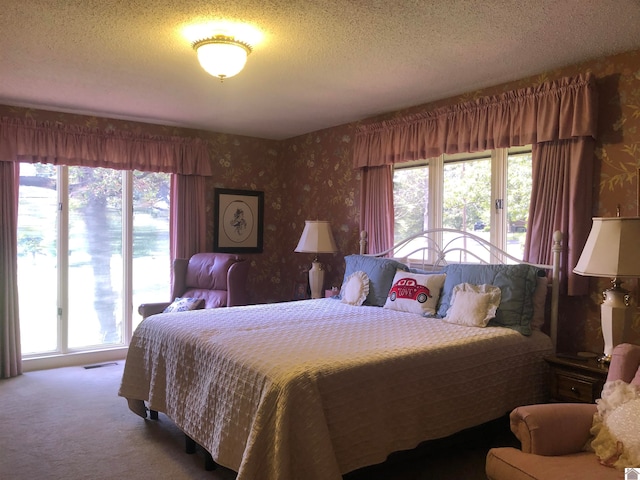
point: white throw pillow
(615, 426)
(415, 292)
(184, 305)
(355, 289)
(473, 305)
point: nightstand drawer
(576, 380)
(572, 389)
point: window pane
(37, 258)
(95, 258)
(518, 198)
(467, 200)
(467, 195)
(151, 261)
(410, 201)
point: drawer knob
(575, 390)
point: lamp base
(614, 314)
(316, 279)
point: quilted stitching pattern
(318, 388)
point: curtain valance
(557, 110)
(29, 141)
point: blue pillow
(380, 272)
(516, 282)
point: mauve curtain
(562, 109)
(188, 219)
(561, 113)
(10, 352)
(25, 140)
(376, 203)
(561, 198)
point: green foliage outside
(410, 187)
(467, 196)
(95, 196)
(95, 225)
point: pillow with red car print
(415, 292)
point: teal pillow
(516, 282)
(380, 272)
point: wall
(335, 190)
(237, 162)
(310, 177)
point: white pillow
(615, 426)
(184, 304)
(473, 305)
(415, 292)
(355, 289)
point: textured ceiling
(318, 63)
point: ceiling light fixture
(222, 56)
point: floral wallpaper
(616, 168)
(310, 177)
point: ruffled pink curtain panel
(560, 114)
(25, 140)
(45, 142)
(550, 111)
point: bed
(315, 389)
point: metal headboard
(432, 249)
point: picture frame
(300, 290)
(238, 221)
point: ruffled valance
(561, 109)
(26, 140)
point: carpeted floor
(69, 423)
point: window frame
(63, 354)
(499, 175)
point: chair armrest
(148, 309)
(237, 283)
(553, 428)
(179, 277)
(625, 359)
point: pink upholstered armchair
(553, 435)
(217, 278)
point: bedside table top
(589, 364)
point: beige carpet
(69, 423)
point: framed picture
(300, 290)
(238, 221)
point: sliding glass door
(77, 256)
(150, 242)
(37, 258)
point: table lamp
(612, 250)
(316, 238)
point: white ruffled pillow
(355, 289)
(615, 426)
(473, 305)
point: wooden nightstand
(576, 380)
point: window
(91, 242)
(484, 193)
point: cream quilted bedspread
(311, 390)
